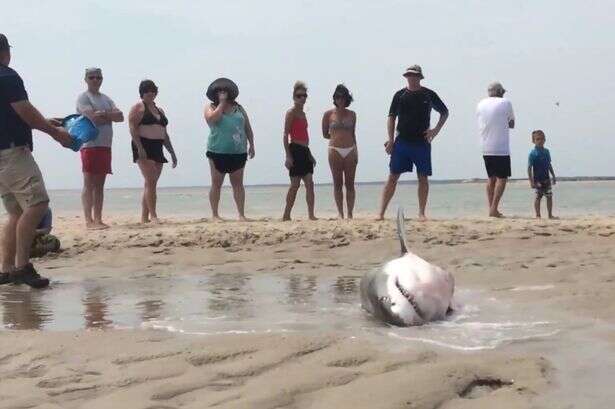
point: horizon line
(405, 182)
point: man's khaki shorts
(21, 181)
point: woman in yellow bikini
(338, 125)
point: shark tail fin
(401, 230)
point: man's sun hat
(414, 70)
(222, 84)
(93, 70)
(496, 87)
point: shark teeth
(410, 297)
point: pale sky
(543, 52)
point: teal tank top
(228, 135)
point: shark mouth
(410, 297)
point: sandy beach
(560, 272)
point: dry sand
(564, 267)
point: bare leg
(336, 163)
(144, 209)
(150, 178)
(153, 211)
(217, 179)
(350, 168)
(144, 166)
(490, 189)
(98, 196)
(9, 242)
(151, 173)
(537, 206)
(387, 194)
(291, 196)
(239, 192)
(26, 230)
(87, 199)
(309, 195)
(500, 186)
(550, 207)
(423, 193)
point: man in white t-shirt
(495, 119)
(96, 154)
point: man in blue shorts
(411, 107)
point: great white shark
(407, 290)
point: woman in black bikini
(148, 128)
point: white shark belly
(430, 286)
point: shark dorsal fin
(401, 230)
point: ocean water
(446, 200)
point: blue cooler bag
(81, 128)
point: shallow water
(242, 303)
(214, 303)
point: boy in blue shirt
(538, 169)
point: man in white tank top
(495, 119)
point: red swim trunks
(96, 160)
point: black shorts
(153, 150)
(302, 160)
(228, 162)
(497, 166)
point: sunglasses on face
(300, 95)
(95, 77)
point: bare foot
(312, 217)
(97, 226)
(217, 219)
(144, 221)
(380, 218)
(244, 219)
(156, 220)
(496, 214)
(553, 217)
(286, 218)
(538, 216)
(340, 216)
(422, 218)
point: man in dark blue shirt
(21, 182)
(411, 107)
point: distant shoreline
(403, 182)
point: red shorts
(96, 160)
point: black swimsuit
(152, 147)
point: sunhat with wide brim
(222, 84)
(414, 70)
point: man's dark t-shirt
(13, 130)
(413, 112)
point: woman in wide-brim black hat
(230, 142)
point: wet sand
(194, 314)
